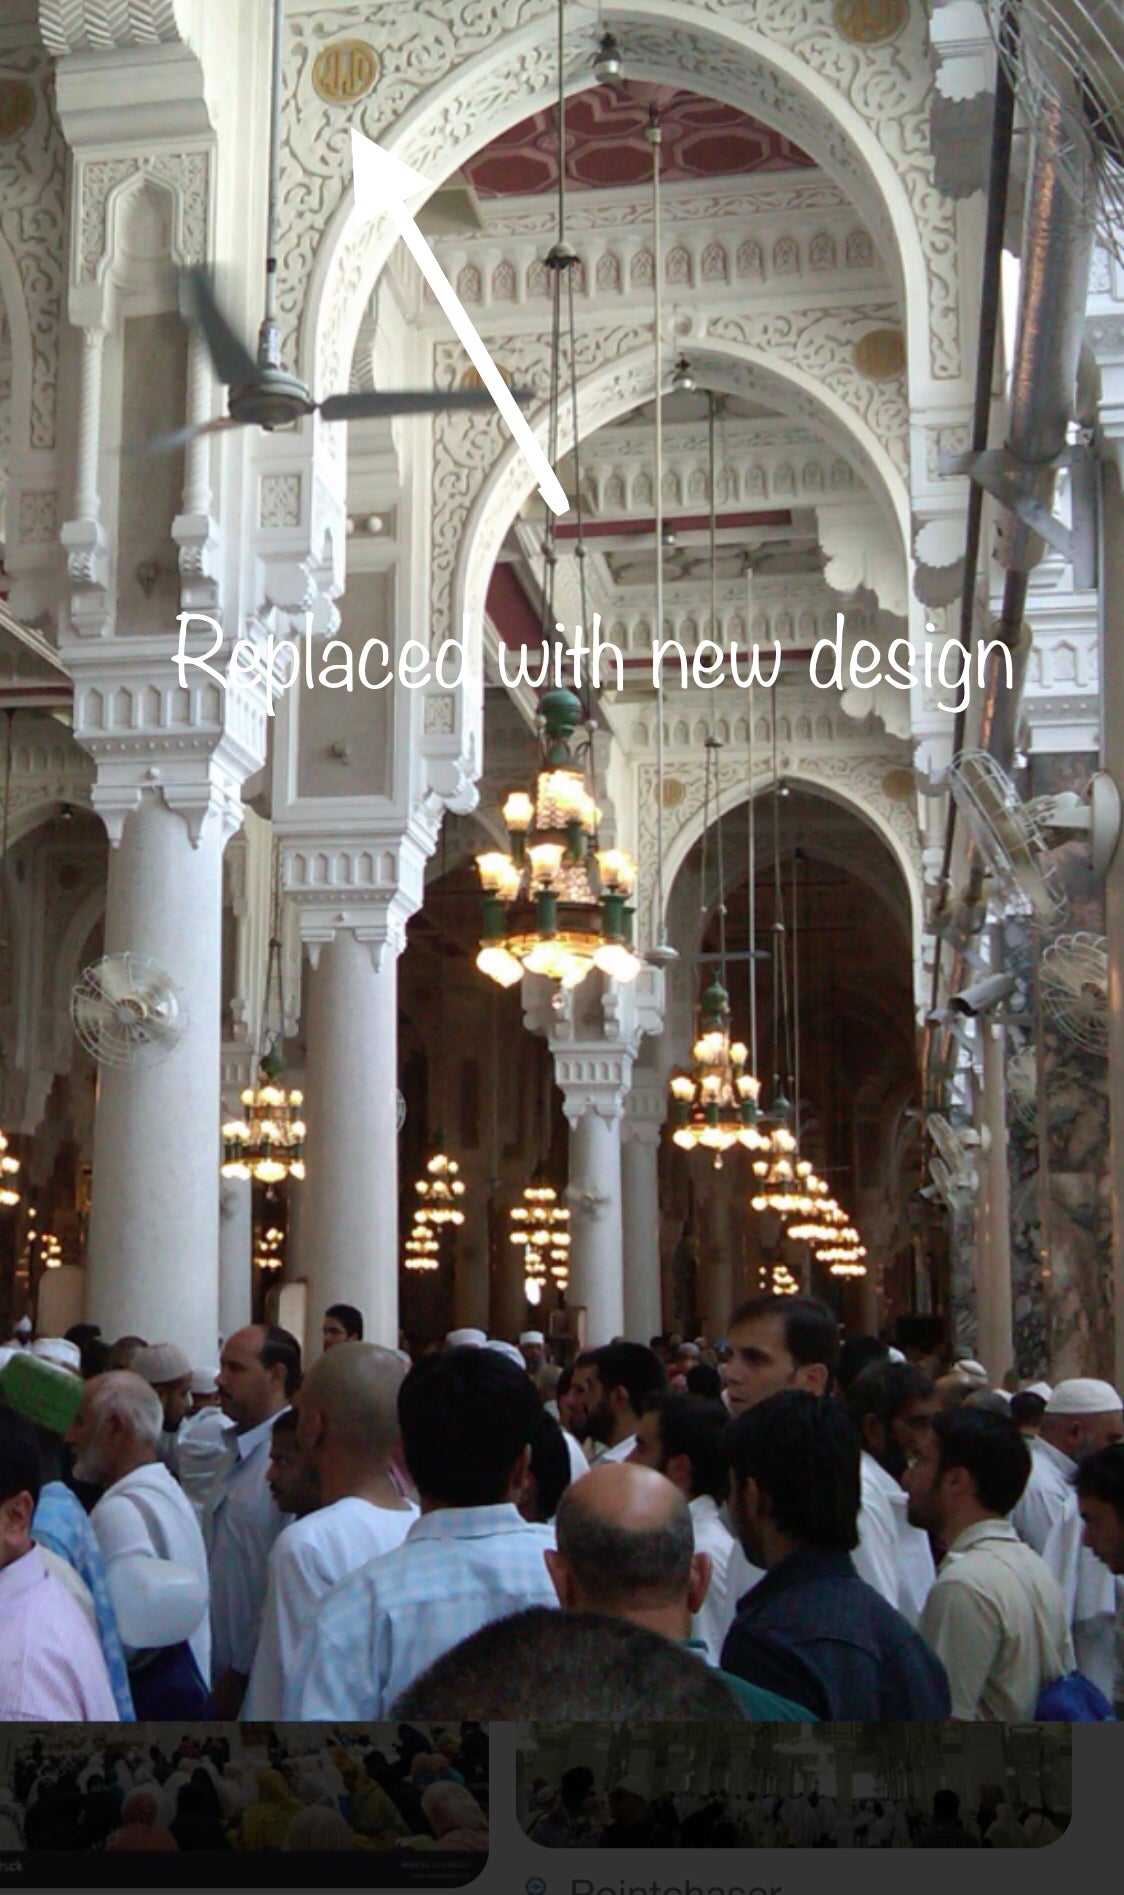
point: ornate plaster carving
(97, 26)
(33, 234)
(101, 182)
(454, 78)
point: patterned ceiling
(606, 146)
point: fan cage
(1073, 975)
(1022, 1085)
(979, 787)
(1071, 53)
(111, 1041)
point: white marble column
(594, 1032)
(349, 1215)
(235, 1245)
(154, 1220)
(640, 1199)
(596, 1225)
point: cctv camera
(984, 994)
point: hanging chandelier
(554, 903)
(439, 1193)
(9, 1166)
(267, 1142)
(715, 1104)
(422, 1249)
(540, 1227)
(268, 1255)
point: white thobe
(240, 1523)
(1049, 1519)
(306, 1560)
(892, 1556)
(715, 1616)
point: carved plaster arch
(19, 332)
(472, 529)
(860, 110)
(854, 781)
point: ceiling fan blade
(179, 437)
(373, 403)
(234, 365)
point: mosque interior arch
(822, 233)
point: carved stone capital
(195, 743)
(356, 876)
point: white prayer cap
(1004, 1394)
(508, 1349)
(160, 1362)
(64, 1355)
(24, 1327)
(895, 1355)
(465, 1339)
(1039, 1388)
(204, 1381)
(1083, 1395)
(975, 1371)
(532, 1335)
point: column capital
(356, 875)
(594, 1033)
(194, 744)
(645, 1111)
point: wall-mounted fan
(955, 1146)
(1073, 980)
(1015, 838)
(127, 1011)
(1022, 1084)
(262, 393)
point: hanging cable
(654, 136)
(796, 859)
(751, 879)
(782, 1051)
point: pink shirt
(51, 1667)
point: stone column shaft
(596, 1227)
(639, 1177)
(235, 1243)
(154, 1220)
(349, 1216)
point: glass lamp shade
(499, 965)
(518, 812)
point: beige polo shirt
(996, 1619)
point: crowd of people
(790, 1525)
(575, 1816)
(422, 1789)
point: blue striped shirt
(457, 1569)
(60, 1523)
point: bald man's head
(350, 1397)
(625, 1540)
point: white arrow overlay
(383, 184)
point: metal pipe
(1056, 256)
